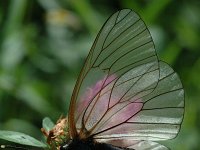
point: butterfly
(125, 98)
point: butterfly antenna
(11, 146)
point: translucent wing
(147, 145)
(155, 116)
(121, 68)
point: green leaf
(47, 124)
(20, 138)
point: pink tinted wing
(155, 116)
(121, 68)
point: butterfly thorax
(78, 144)
(89, 144)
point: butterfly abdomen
(88, 145)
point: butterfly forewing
(115, 72)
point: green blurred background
(43, 44)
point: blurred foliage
(43, 44)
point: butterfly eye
(64, 147)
